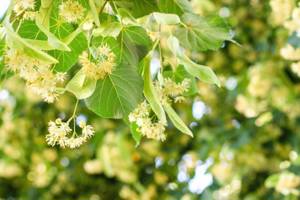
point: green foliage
(111, 98)
(246, 132)
(67, 59)
(201, 34)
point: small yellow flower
(100, 65)
(59, 132)
(141, 116)
(175, 89)
(29, 15)
(22, 5)
(38, 75)
(71, 11)
(171, 90)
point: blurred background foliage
(246, 140)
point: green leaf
(177, 121)
(29, 29)
(137, 35)
(174, 6)
(149, 91)
(43, 23)
(81, 86)
(68, 59)
(16, 41)
(118, 94)
(201, 34)
(138, 8)
(204, 73)
(112, 29)
(137, 136)
(52, 39)
(134, 44)
(166, 19)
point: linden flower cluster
(172, 89)
(288, 183)
(141, 116)
(290, 53)
(293, 24)
(281, 10)
(258, 85)
(71, 11)
(23, 5)
(229, 191)
(248, 106)
(101, 65)
(37, 74)
(59, 131)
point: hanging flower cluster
(38, 75)
(59, 132)
(143, 116)
(100, 65)
(173, 90)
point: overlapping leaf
(119, 93)
(138, 8)
(201, 34)
(174, 6)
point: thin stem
(155, 45)
(75, 109)
(74, 129)
(160, 50)
(74, 112)
(160, 57)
